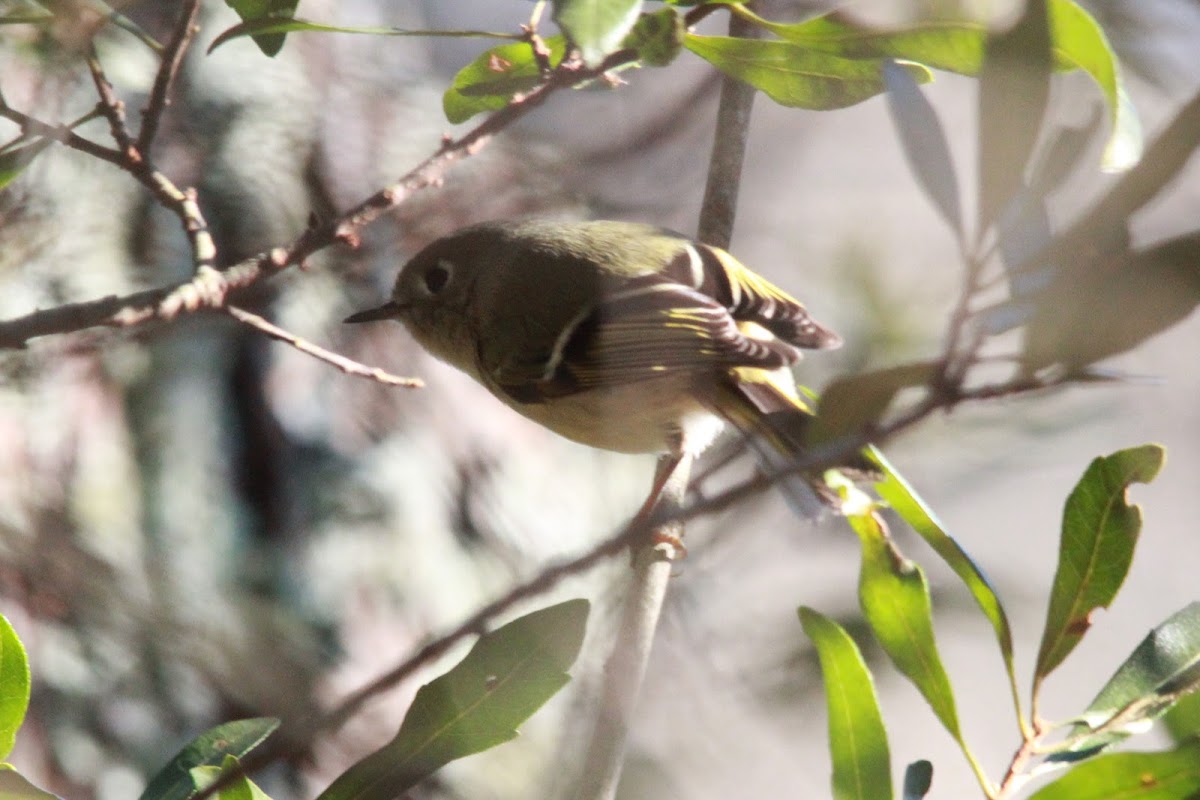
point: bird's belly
(644, 417)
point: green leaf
(270, 25)
(250, 10)
(905, 501)
(174, 781)
(15, 786)
(1182, 721)
(1170, 775)
(1014, 86)
(1099, 532)
(489, 82)
(924, 142)
(1163, 668)
(957, 45)
(917, 780)
(894, 596)
(14, 686)
(509, 674)
(796, 76)
(857, 739)
(657, 37)
(596, 27)
(14, 159)
(240, 788)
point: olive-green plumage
(618, 335)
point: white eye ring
(436, 278)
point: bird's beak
(389, 310)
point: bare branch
(172, 58)
(346, 365)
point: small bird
(619, 335)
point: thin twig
(113, 108)
(61, 134)
(172, 58)
(346, 365)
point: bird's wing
(652, 327)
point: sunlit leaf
(1163, 668)
(596, 27)
(905, 501)
(797, 76)
(1172, 775)
(857, 739)
(490, 81)
(957, 45)
(240, 788)
(175, 782)
(251, 10)
(1099, 531)
(14, 686)
(509, 674)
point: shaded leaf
(796, 76)
(905, 501)
(1014, 86)
(957, 45)
(924, 143)
(509, 674)
(174, 781)
(1169, 775)
(1182, 720)
(1107, 303)
(857, 739)
(596, 27)
(489, 82)
(657, 37)
(1099, 531)
(894, 596)
(14, 686)
(251, 10)
(14, 159)
(15, 786)
(856, 402)
(1163, 668)
(240, 788)
(918, 778)
(287, 24)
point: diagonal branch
(172, 58)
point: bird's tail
(766, 408)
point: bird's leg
(667, 465)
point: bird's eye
(437, 276)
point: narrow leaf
(1162, 669)
(855, 403)
(509, 674)
(174, 781)
(857, 739)
(1099, 531)
(924, 143)
(489, 82)
(957, 45)
(596, 27)
(250, 10)
(1014, 86)
(13, 160)
(797, 76)
(240, 788)
(272, 25)
(894, 596)
(905, 501)
(14, 686)
(918, 778)
(1170, 775)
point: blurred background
(198, 524)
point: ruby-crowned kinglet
(621, 336)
